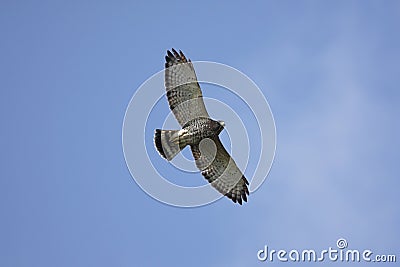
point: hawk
(199, 131)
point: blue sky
(329, 70)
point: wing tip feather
(175, 57)
(241, 194)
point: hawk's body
(198, 131)
(200, 128)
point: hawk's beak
(222, 123)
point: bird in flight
(199, 131)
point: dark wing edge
(173, 58)
(222, 173)
(183, 90)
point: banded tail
(167, 143)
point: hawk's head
(219, 126)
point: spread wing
(218, 167)
(183, 90)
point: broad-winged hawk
(199, 131)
